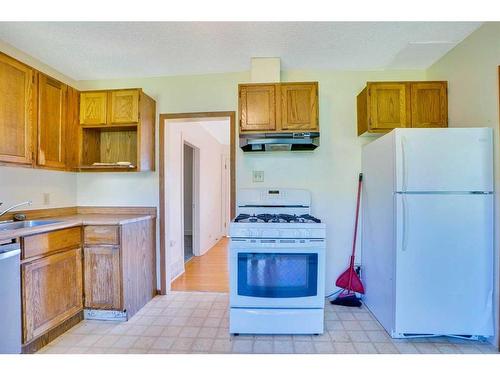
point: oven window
(277, 275)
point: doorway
(194, 218)
(189, 201)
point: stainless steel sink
(26, 224)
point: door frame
(164, 286)
(225, 175)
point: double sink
(12, 225)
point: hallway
(207, 273)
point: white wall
(471, 69)
(208, 154)
(22, 184)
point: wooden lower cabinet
(101, 235)
(59, 279)
(120, 277)
(52, 291)
(102, 277)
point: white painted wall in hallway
(210, 153)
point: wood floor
(206, 273)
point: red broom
(349, 280)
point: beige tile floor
(196, 322)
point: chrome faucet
(29, 203)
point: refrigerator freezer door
(444, 264)
(453, 159)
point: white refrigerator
(427, 231)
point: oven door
(277, 273)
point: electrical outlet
(46, 198)
(258, 176)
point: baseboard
(38, 343)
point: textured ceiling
(96, 50)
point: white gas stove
(277, 264)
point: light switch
(258, 176)
(46, 198)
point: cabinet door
(52, 292)
(299, 106)
(16, 111)
(389, 106)
(124, 107)
(93, 108)
(429, 105)
(72, 129)
(258, 108)
(102, 277)
(52, 104)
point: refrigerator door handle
(403, 157)
(404, 241)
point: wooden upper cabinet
(123, 130)
(93, 108)
(124, 107)
(258, 107)
(383, 106)
(52, 120)
(389, 105)
(17, 111)
(280, 107)
(299, 106)
(429, 104)
(72, 129)
(52, 292)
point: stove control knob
(306, 233)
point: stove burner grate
(280, 218)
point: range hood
(297, 141)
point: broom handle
(351, 268)
(356, 221)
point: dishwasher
(10, 298)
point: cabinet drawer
(102, 235)
(44, 243)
